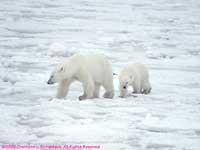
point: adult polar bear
(93, 70)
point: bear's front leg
(109, 94)
(123, 93)
(63, 88)
(88, 87)
(123, 90)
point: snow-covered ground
(164, 34)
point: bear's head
(57, 75)
(66, 70)
(124, 82)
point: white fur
(92, 70)
(137, 76)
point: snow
(163, 34)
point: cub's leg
(146, 87)
(137, 87)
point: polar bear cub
(137, 76)
(93, 70)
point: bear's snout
(50, 82)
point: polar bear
(137, 76)
(93, 70)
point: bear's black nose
(124, 87)
(49, 82)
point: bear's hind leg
(146, 88)
(147, 91)
(137, 87)
(108, 84)
(88, 87)
(134, 91)
(109, 93)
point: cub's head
(124, 82)
(57, 75)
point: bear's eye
(124, 87)
(61, 69)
